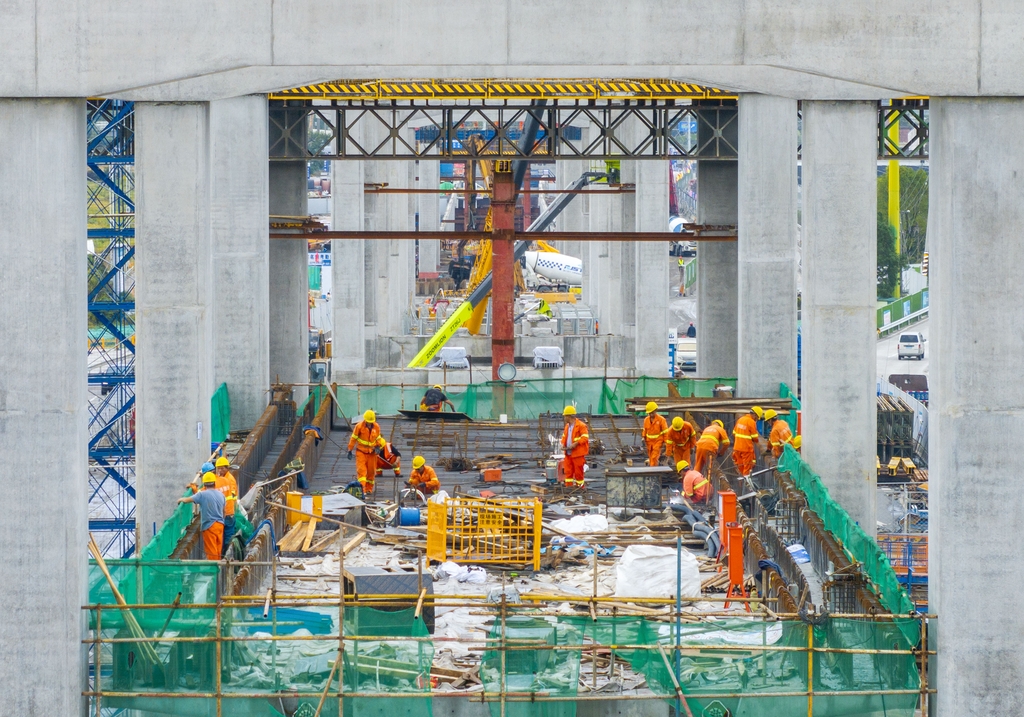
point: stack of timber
(709, 405)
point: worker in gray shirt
(211, 513)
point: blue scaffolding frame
(111, 306)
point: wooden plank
(324, 542)
(309, 535)
(293, 539)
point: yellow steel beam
(624, 89)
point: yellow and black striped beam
(385, 90)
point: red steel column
(503, 204)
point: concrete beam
(767, 250)
(43, 400)
(717, 273)
(975, 221)
(348, 267)
(173, 280)
(838, 390)
(289, 280)
(239, 206)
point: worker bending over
(211, 515)
(576, 443)
(366, 439)
(780, 434)
(655, 429)
(434, 400)
(679, 440)
(388, 457)
(227, 485)
(712, 442)
(696, 487)
(423, 478)
(744, 451)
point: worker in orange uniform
(797, 442)
(434, 400)
(227, 485)
(679, 441)
(695, 486)
(423, 478)
(389, 457)
(655, 428)
(211, 515)
(712, 442)
(576, 444)
(366, 439)
(780, 434)
(744, 450)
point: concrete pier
(652, 270)
(348, 269)
(289, 280)
(174, 295)
(717, 273)
(839, 408)
(43, 405)
(428, 176)
(239, 207)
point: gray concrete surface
(239, 205)
(838, 388)
(289, 280)
(428, 176)
(717, 272)
(348, 269)
(43, 406)
(767, 252)
(174, 295)
(976, 219)
(652, 270)
(811, 49)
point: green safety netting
(220, 414)
(862, 547)
(532, 397)
(786, 392)
(162, 544)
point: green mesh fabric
(171, 530)
(220, 414)
(862, 547)
(786, 392)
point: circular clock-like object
(507, 372)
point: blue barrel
(409, 516)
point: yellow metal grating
(477, 530)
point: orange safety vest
(745, 433)
(681, 437)
(365, 437)
(692, 482)
(579, 435)
(424, 477)
(713, 437)
(227, 485)
(655, 428)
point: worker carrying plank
(227, 485)
(576, 444)
(780, 434)
(435, 400)
(655, 428)
(365, 440)
(388, 457)
(423, 478)
(696, 487)
(680, 440)
(712, 442)
(744, 450)
(211, 515)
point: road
(888, 363)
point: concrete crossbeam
(839, 408)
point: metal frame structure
(111, 306)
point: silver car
(910, 346)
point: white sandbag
(650, 571)
(582, 524)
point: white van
(910, 346)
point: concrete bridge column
(717, 296)
(43, 400)
(975, 221)
(652, 269)
(767, 249)
(174, 296)
(428, 176)
(839, 158)
(239, 207)
(348, 268)
(572, 218)
(289, 280)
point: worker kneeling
(696, 487)
(655, 428)
(713, 442)
(434, 400)
(423, 478)
(389, 457)
(211, 514)
(366, 440)
(576, 444)
(744, 451)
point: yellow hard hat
(652, 407)
(222, 462)
(797, 441)
(677, 423)
(770, 414)
(719, 423)
(369, 416)
(569, 411)
(438, 387)
(209, 478)
(758, 411)
(419, 462)
(681, 466)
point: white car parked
(910, 346)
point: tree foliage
(913, 227)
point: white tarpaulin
(650, 571)
(582, 524)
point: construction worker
(679, 440)
(434, 400)
(366, 439)
(655, 429)
(744, 450)
(681, 264)
(389, 457)
(712, 442)
(227, 485)
(576, 444)
(695, 486)
(780, 434)
(211, 515)
(797, 442)
(423, 478)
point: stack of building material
(895, 428)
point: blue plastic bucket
(409, 516)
